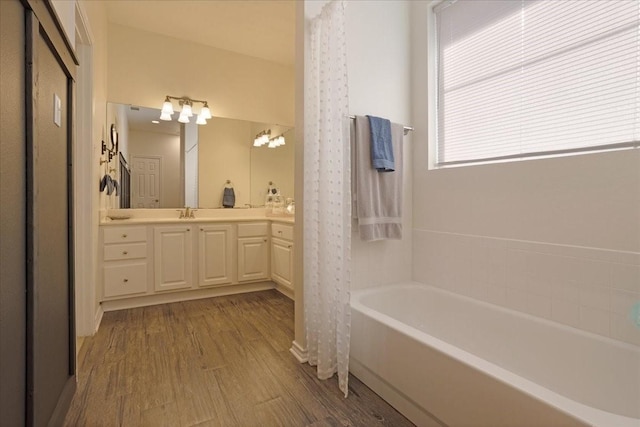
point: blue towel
(228, 198)
(381, 145)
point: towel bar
(407, 129)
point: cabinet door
(253, 258)
(125, 279)
(173, 262)
(282, 262)
(214, 255)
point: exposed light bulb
(167, 107)
(183, 118)
(205, 112)
(186, 110)
(201, 120)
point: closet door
(50, 311)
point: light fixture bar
(186, 111)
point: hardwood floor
(214, 362)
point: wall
(13, 213)
(556, 238)
(167, 147)
(223, 154)
(378, 71)
(272, 165)
(144, 67)
(97, 26)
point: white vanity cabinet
(253, 251)
(158, 262)
(282, 254)
(124, 261)
(215, 254)
(173, 260)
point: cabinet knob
(125, 280)
(124, 236)
(279, 231)
(265, 240)
(201, 229)
(289, 246)
(124, 252)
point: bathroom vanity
(147, 260)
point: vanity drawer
(283, 231)
(125, 279)
(250, 229)
(125, 234)
(125, 251)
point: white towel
(377, 197)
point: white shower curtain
(327, 201)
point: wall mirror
(172, 165)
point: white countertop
(170, 216)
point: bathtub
(445, 359)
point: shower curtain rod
(407, 129)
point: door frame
(84, 194)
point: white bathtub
(445, 359)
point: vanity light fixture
(264, 137)
(186, 111)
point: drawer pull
(125, 280)
(124, 252)
(124, 236)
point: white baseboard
(164, 298)
(98, 319)
(299, 353)
(284, 290)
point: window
(525, 78)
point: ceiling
(140, 119)
(260, 28)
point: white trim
(301, 354)
(84, 241)
(432, 96)
(184, 295)
(98, 319)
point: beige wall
(167, 148)
(223, 150)
(272, 165)
(144, 67)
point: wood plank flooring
(221, 361)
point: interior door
(145, 177)
(50, 310)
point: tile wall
(596, 290)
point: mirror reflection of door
(145, 177)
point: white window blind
(522, 78)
